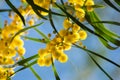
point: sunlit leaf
(42, 34)
(22, 62)
(15, 10)
(34, 39)
(103, 31)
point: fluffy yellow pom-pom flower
(83, 35)
(21, 51)
(89, 4)
(63, 58)
(41, 62)
(67, 24)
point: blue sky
(79, 65)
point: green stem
(33, 71)
(55, 71)
(42, 34)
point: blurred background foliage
(79, 66)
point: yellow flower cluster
(54, 49)
(5, 73)
(62, 41)
(10, 49)
(79, 4)
(44, 4)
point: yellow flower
(83, 35)
(2, 45)
(63, 58)
(56, 54)
(67, 24)
(82, 19)
(41, 62)
(18, 42)
(71, 37)
(21, 51)
(79, 2)
(16, 18)
(42, 52)
(80, 13)
(23, 1)
(9, 61)
(89, 4)
(9, 52)
(67, 46)
(48, 62)
(63, 32)
(75, 28)
(31, 22)
(5, 72)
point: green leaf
(117, 1)
(5, 10)
(34, 39)
(62, 2)
(79, 23)
(22, 62)
(94, 18)
(111, 37)
(100, 67)
(15, 10)
(33, 71)
(55, 71)
(108, 22)
(112, 5)
(25, 29)
(25, 67)
(94, 6)
(42, 34)
(51, 22)
(106, 44)
(112, 40)
(100, 56)
(97, 6)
